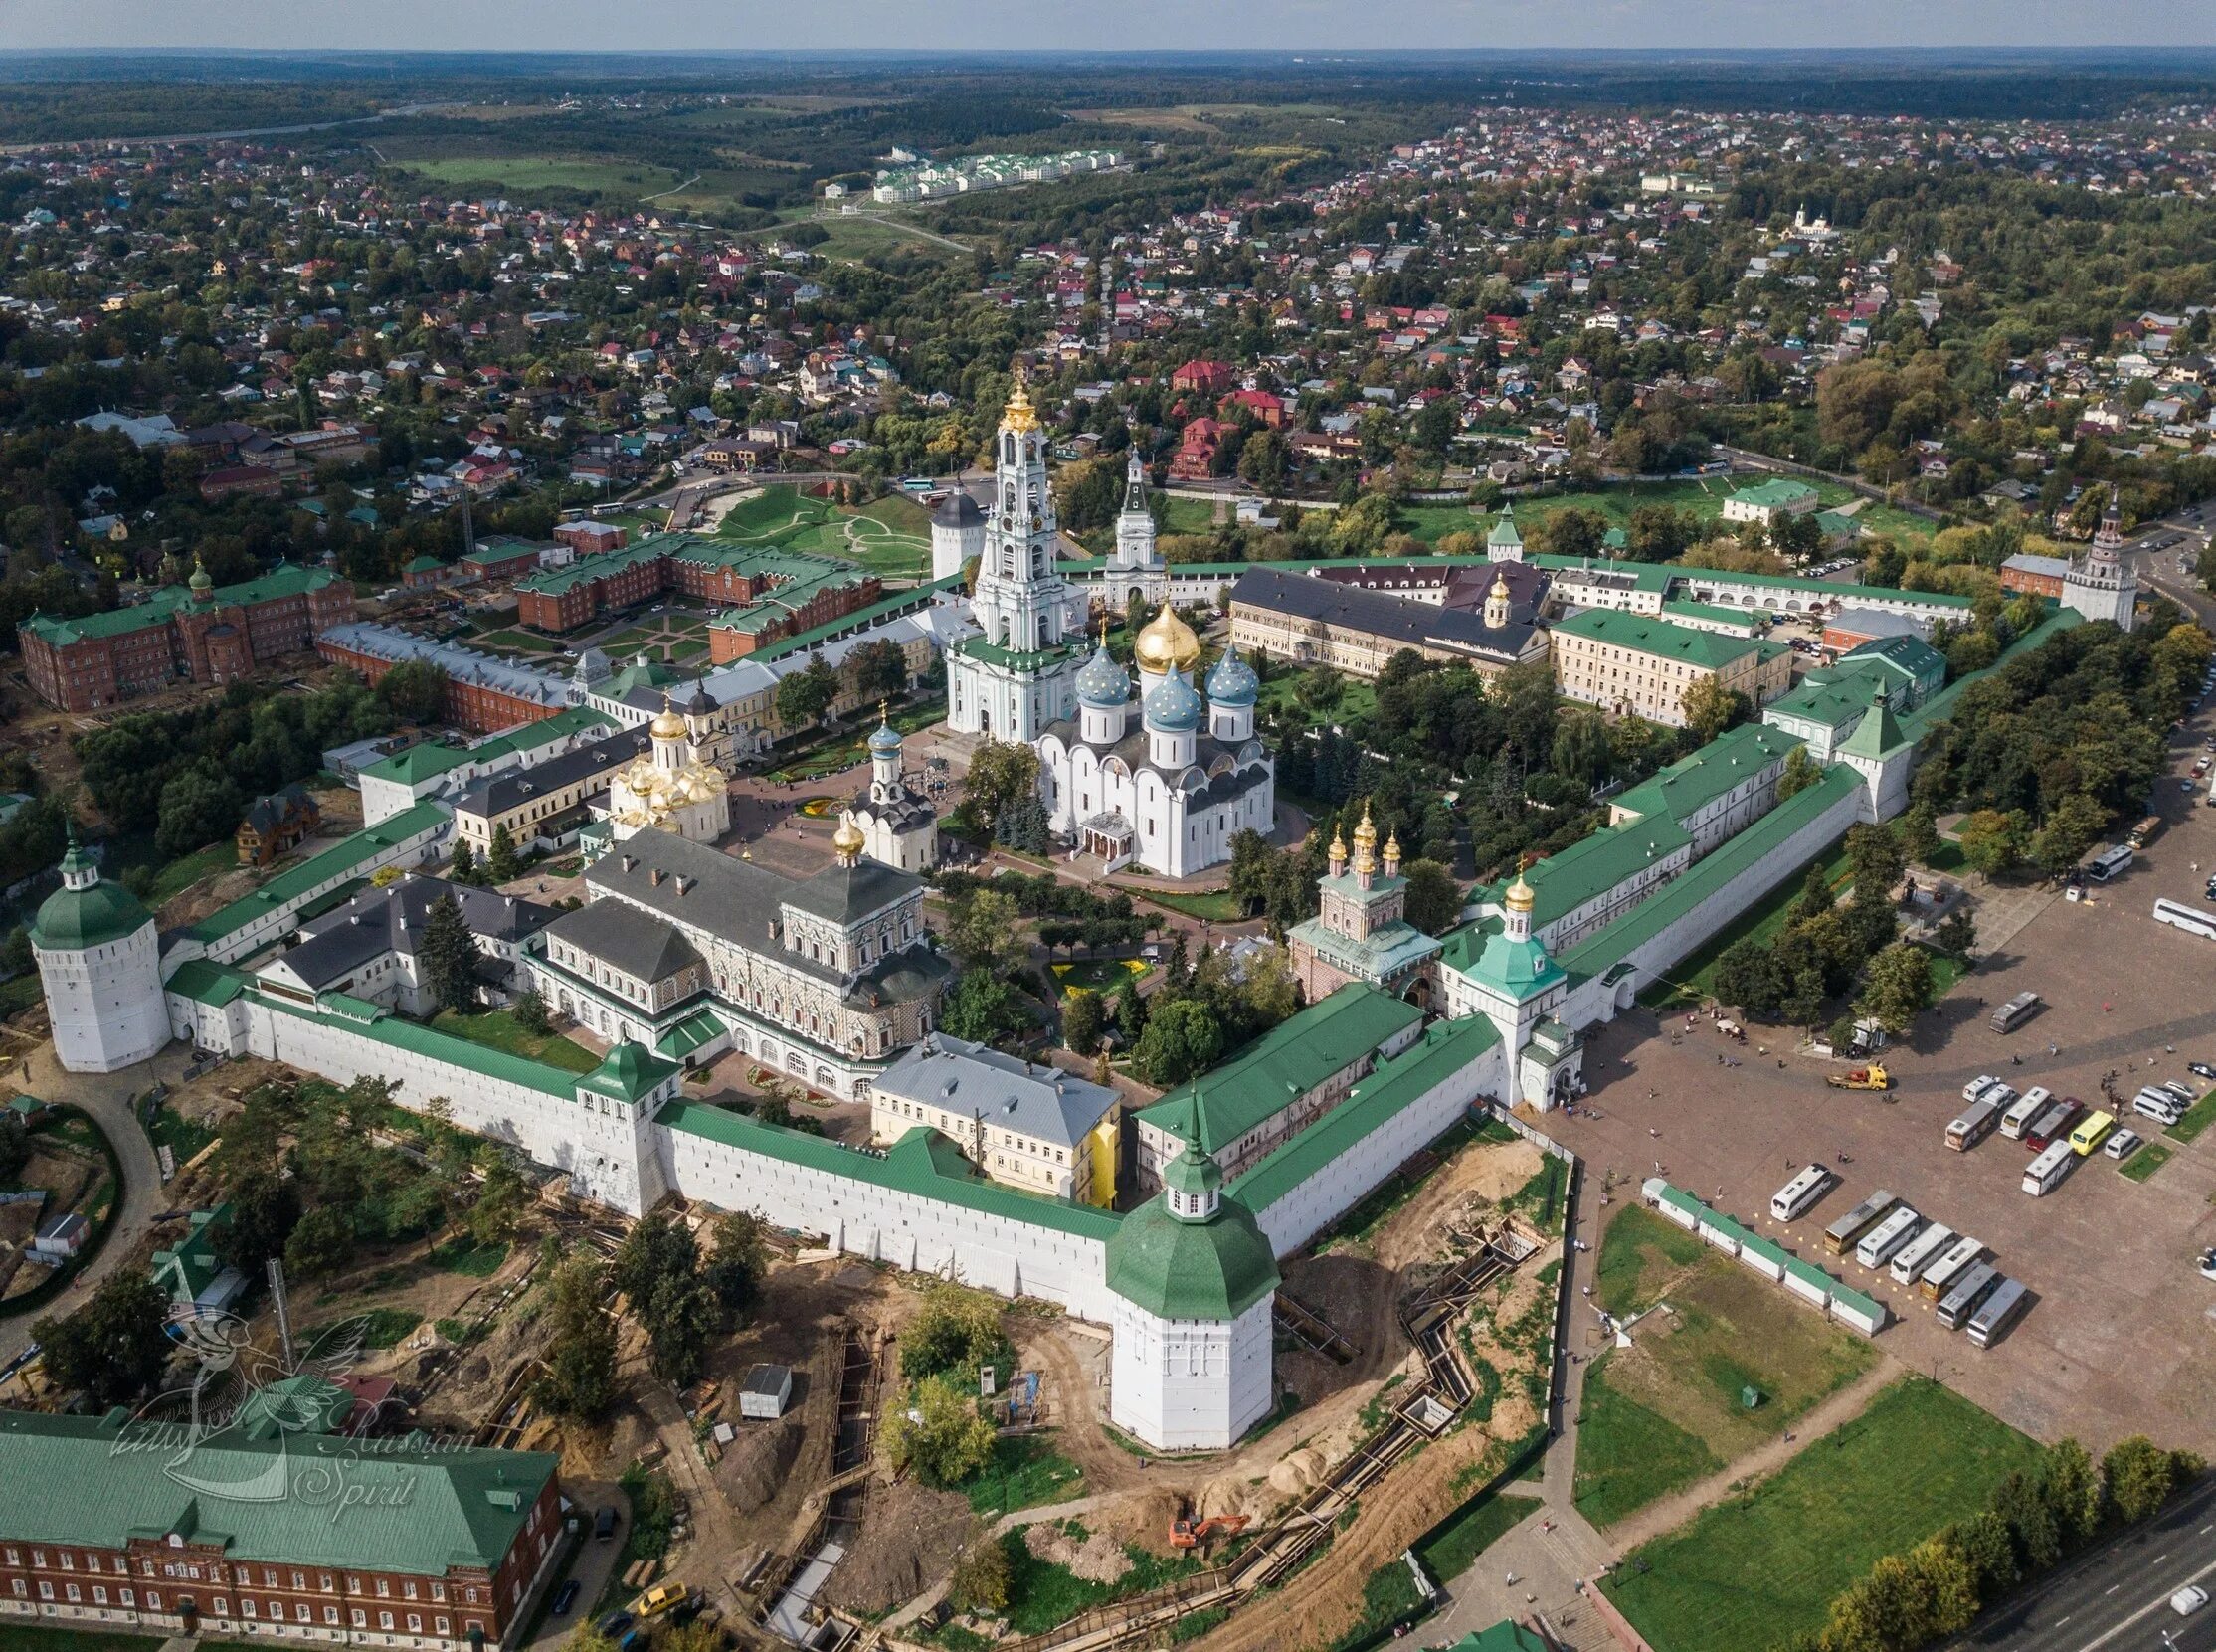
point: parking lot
(2119, 1337)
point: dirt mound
(1298, 1471)
(1097, 1558)
(910, 1537)
(1141, 1520)
(756, 1462)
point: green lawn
(459, 1255)
(1102, 974)
(19, 993)
(1629, 1454)
(1756, 1570)
(2144, 1163)
(1389, 1597)
(1455, 1545)
(1695, 978)
(497, 1029)
(1216, 906)
(1639, 1255)
(1042, 1593)
(2197, 1118)
(521, 640)
(520, 174)
(382, 1328)
(183, 873)
(1026, 1471)
(182, 1135)
(1356, 702)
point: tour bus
(2023, 1110)
(2015, 1012)
(2187, 918)
(2052, 1125)
(1951, 1261)
(2107, 864)
(1961, 1302)
(2091, 1133)
(1857, 1222)
(1916, 1254)
(1791, 1201)
(2046, 1171)
(1975, 1123)
(1990, 1322)
(1879, 1245)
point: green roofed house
(1717, 792)
(1643, 665)
(1766, 501)
(1278, 1085)
(227, 1532)
(197, 1279)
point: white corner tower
(957, 534)
(101, 967)
(2102, 586)
(1019, 674)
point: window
(100, 1596)
(384, 1621)
(128, 1596)
(415, 1623)
(330, 1617)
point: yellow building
(1031, 1127)
(1634, 664)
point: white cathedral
(672, 789)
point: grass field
(182, 1135)
(1694, 981)
(497, 1029)
(1042, 1593)
(522, 174)
(2144, 1163)
(1025, 1472)
(1102, 974)
(1670, 1410)
(183, 873)
(474, 1261)
(381, 1328)
(522, 640)
(1748, 1574)
(1356, 699)
(2199, 1118)
(1217, 905)
(891, 537)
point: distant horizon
(959, 27)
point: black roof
(516, 786)
(1416, 624)
(378, 921)
(636, 942)
(956, 510)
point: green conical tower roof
(1211, 1266)
(1877, 733)
(88, 910)
(629, 1072)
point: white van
(2158, 1105)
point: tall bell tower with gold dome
(1019, 673)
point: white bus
(1999, 1312)
(1791, 1201)
(1961, 1301)
(1912, 1257)
(2107, 864)
(1879, 1245)
(1973, 1126)
(2189, 919)
(2022, 1111)
(2045, 1173)
(1951, 1261)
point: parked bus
(1961, 1302)
(2022, 1111)
(1879, 1245)
(1916, 1254)
(2187, 918)
(1951, 1261)
(2107, 864)
(2091, 1133)
(2146, 831)
(2045, 1173)
(1791, 1201)
(1991, 1322)
(2052, 1125)
(1857, 1222)
(2015, 1012)
(1975, 1123)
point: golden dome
(1020, 415)
(1393, 845)
(1500, 588)
(1521, 895)
(667, 726)
(1167, 643)
(1337, 844)
(1366, 833)
(847, 840)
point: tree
(981, 1007)
(499, 855)
(1434, 899)
(943, 1441)
(1746, 975)
(413, 691)
(1992, 842)
(322, 1243)
(502, 1198)
(264, 1209)
(2075, 1490)
(1919, 834)
(464, 868)
(956, 1330)
(1984, 1543)
(197, 806)
(1957, 933)
(1898, 988)
(1801, 772)
(2141, 1477)
(529, 1011)
(881, 670)
(1814, 900)
(15, 1145)
(739, 1262)
(2031, 1521)
(1875, 854)
(657, 1269)
(803, 697)
(982, 1577)
(1709, 708)
(1182, 1039)
(985, 931)
(113, 1347)
(448, 955)
(1081, 1021)
(2073, 827)
(1000, 773)
(579, 1381)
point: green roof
(699, 1027)
(1285, 1063)
(1833, 695)
(1755, 847)
(1446, 1047)
(1739, 619)
(1502, 1637)
(1645, 633)
(628, 1072)
(418, 763)
(885, 608)
(1593, 866)
(1691, 784)
(69, 920)
(420, 1507)
(206, 982)
(1177, 1269)
(372, 1021)
(297, 884)
(1482, 951)
(1779, 491)
(1013, 659)
(1877, 733)
(923, 1163)
(284, 579)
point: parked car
(2122, 1144)
(2183, 1092)
(604, 1523)
(2201, 1070)
(2188, 1601)
(565, 1598)
(614, 1625)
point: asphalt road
(2116, 1599)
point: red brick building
(1195, 454)
(592, 539)
(484, 695)
(231, 480)
(198, 633)
(710, 570)
(384, 1543)
(1210, 378)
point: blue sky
(614, 25)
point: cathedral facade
(670, 789)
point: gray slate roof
(378, 921)
(627, 939)
(517, 787)
(1394, 618)
(1006, 1092)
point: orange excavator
(1188, 1533)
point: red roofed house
(1270, 410)
(1195, 453)
(1210, 378)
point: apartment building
(1632, 664)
